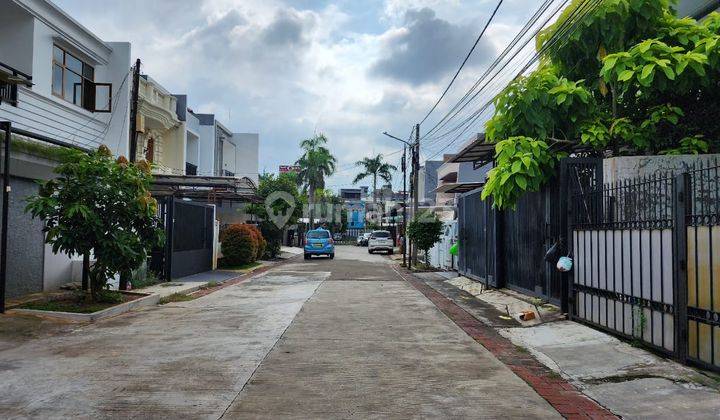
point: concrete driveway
(309, 339)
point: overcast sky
(287, 69)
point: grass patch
(242, 267)
(210, 285)
(175, 297)
(171, 284)
(80, 303)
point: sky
(288, 69)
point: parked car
(380, 240)
(362, 240)
(337, 237)
(319, 242)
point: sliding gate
(189, 237)
(647, 265)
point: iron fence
(646, 261)
(703, 265)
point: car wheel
(390, 252)
(307, 256)
(370, 251)
(331, 256)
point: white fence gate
(439, 255)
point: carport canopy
(205, 188)
(459, 187)
(476, 151)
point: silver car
(380, 240)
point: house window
(74, 81)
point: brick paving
(563, 396)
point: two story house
(60, 81)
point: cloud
(428, 48)
(287, 69)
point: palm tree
(374, 167)
(316, 163)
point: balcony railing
(190, 169)
(10, 78)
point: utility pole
(134, 110)
(5, 209)
(416, 169)
(404, 233)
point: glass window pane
(88, 72)
(57, 54)
(57, 80)
(73, 88)
(102, 97)
(73, 64)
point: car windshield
(318, 234)
(381, 234)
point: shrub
(239, 245)
(273, 235)
(261, 242)
(425, 230)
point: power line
(489, 76)
(568, 26)
(467, 57)
(562, 30)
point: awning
(476, 151)
(459, 187)
(211, 188)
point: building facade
(161, 135)
(60, 81)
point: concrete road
(309, 339)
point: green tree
(316, 164)
(269, 185)
(376, 168)
(268, 188)
(630, 78)
(425, 230)
(100, 205)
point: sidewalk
(629, 381)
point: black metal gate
(192, 239)
(528, 232)
(189, 237)
(476, 231)
(646, 262)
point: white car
(380, 240)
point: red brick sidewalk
(562, 395)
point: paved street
(309, 339)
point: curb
(146, 301)
(563, 396)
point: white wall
(206, 156)
(17, 35)
(117, 71)
(247, 155)
(40, 111)
(229, 156)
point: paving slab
(379, 349)
(181, 360)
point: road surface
(342, 338)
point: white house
(74, 88)
(80, 84)
(224, 153)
